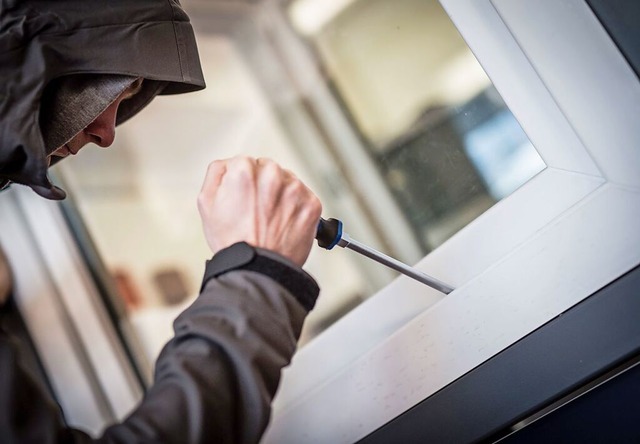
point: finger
(309, 207)
(290, 176)
(270, 185)
(212, 180)
(242, 172)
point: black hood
(42, 40)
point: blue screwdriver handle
(329, 233)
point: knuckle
(297, 187)
(243, 167)
(309, 203)
(265, 161)
(217, 162)
(201, 203)
(247, 166)
(272, 170)
(317, 206)
(314, 208)
(215, 169)
(246, 161)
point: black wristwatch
(242, 256)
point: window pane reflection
(439, 132)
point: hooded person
(65, 63)
(42, 42)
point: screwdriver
(330, 234)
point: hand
(258, 202)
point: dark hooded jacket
(214, 381)
(41, 40)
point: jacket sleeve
(214, 381)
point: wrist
(242, 256)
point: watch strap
(242, 256)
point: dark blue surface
(610, 413)
(621, 19)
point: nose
(102, 131)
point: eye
(133, 89)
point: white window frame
(563, 235)
(85, 362)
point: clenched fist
(258, 202)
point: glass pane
(440, 134)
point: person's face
(102, 131)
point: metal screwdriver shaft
(330, 234)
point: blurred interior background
(379, 106)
